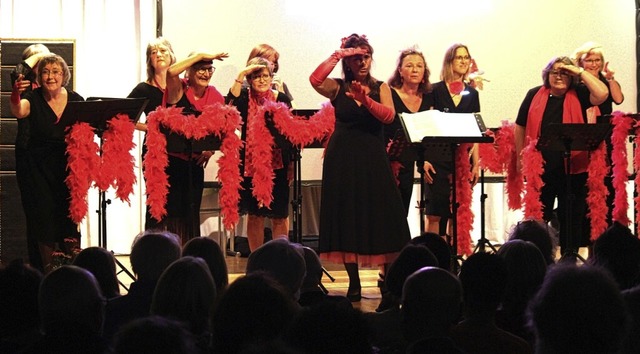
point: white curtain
(111, 38)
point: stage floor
(236, 266)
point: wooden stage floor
(236, 266)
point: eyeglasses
(558, 73)
(461, 58)
(206, 69)
(264, 77)
(54, 73)
(593, 61)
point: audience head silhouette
(152, 252)
(102, 264)
(538, 233)
(411, 258)
(437, 245)
(210, 251)
(154, 335)
(618, 251)
(254, 311)
(70, 298)
(186, 292)
(283, 260)
(19, 285)
(431, 303)
(578, 310)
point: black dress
(408, 157)
(43, 170)
(362, 218)
(154, 95)
(279, 207)
(438, 193)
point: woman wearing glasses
(451, 94)
(259, 75)
(45, 156)
(590, 56)
(560, 100)
(186, 173)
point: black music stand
(97, 112)
(178, 143)
(296, 198)
(436, 136)
(567, 138)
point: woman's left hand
(609, 73)
(357, 91)
(204, 157)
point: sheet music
(433, 123)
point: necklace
(158, 85)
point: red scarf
(571, 113)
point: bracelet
(238, 81)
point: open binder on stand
(97, 112)
(436, 136)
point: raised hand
(348, 52)
(608, 73)
(357, 92)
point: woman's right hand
(429, 171)
(20, 85)
(251, 68)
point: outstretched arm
(319, 78)
(174, 86)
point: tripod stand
(483, 242)
(296, 200)
(567, 138)
(97, 112)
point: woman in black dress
(259, 74)
(362, 220)
(159, 58)
(451, 94)
(45, 156)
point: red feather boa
(500, 158)
(299, 130)
(218, 119)
(636, 165)
(464, 217)
(597, 196)
(114, 168)
(621, 127)
(532, 169)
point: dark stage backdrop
(13, 236)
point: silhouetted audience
(254, 311)
(283, 260)
(431, 305)
(330, 328)
(151, 254)
(526, 268)
(154, 335)
(631, 342)
(484, 277)
(386, 325)
(71, 313)
(186, 292)
(618, 251)
(102, 264)
(540, 234)
(19, 318)
(311, 292)
(209, 250)
(578, 310)
(437, 245)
